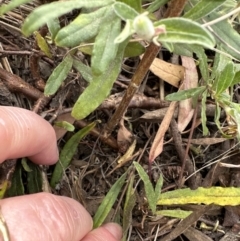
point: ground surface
(93, 169)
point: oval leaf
(48, 12)
(185, 94)
(203, 8)
(216, 195)
(225, 79)
(105, 50)
(83, 28)
(99, 88)
(108, 202)
(124, 11)
(58, 75)
(180, 30)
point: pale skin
(42, 216)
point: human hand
(42, 216)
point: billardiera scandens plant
(143, 27)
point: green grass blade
(108, 202)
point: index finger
(24, 133)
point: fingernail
(114, 229)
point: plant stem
(137, 79)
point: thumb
(45, 217)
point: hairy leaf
(124, 11)
(225, 34)
(83, 69)
(155, 5)
(11, 5)
(104, 49)
(42, 44)
(185, 94)
(99, 88)
(216, 195)
(83, 28)
(174, 213)
(67, 153)
(148, 187)
(58, 75)
(136, 4)
(108, 202)
(48, 12)
(225, 79)
(180, 30)
(203, 8)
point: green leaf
(53, 27)
(180, 30)
(11, 5)
(185, 94)
(42, 44)
(174, 213)
(158, 188)
(217, 195)
(99, 88)
(67, 153)
(83, 69)
(48, 12)
(136, 4)
(219, 63)
(203, 113)
(126, 32)
(83, 28)
(134, 49)
(104, 49)
(129, 204)
(226, 35)
(155, 5)
(203, 8)
(236, 79)
(17, 187)
(25, 165)
(64, 124)
(124, 11)
(58, 75)
(225, 79)
(34, 178)
(203, 61)
(108, 202)
(179, 49)
(148, 187)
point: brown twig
(15, 84)
(95, 132)
(137, 79)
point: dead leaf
(205, 141)
(186, 110)
(124, 137)
(170, 73)
(156, 148)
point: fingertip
(114, 229)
